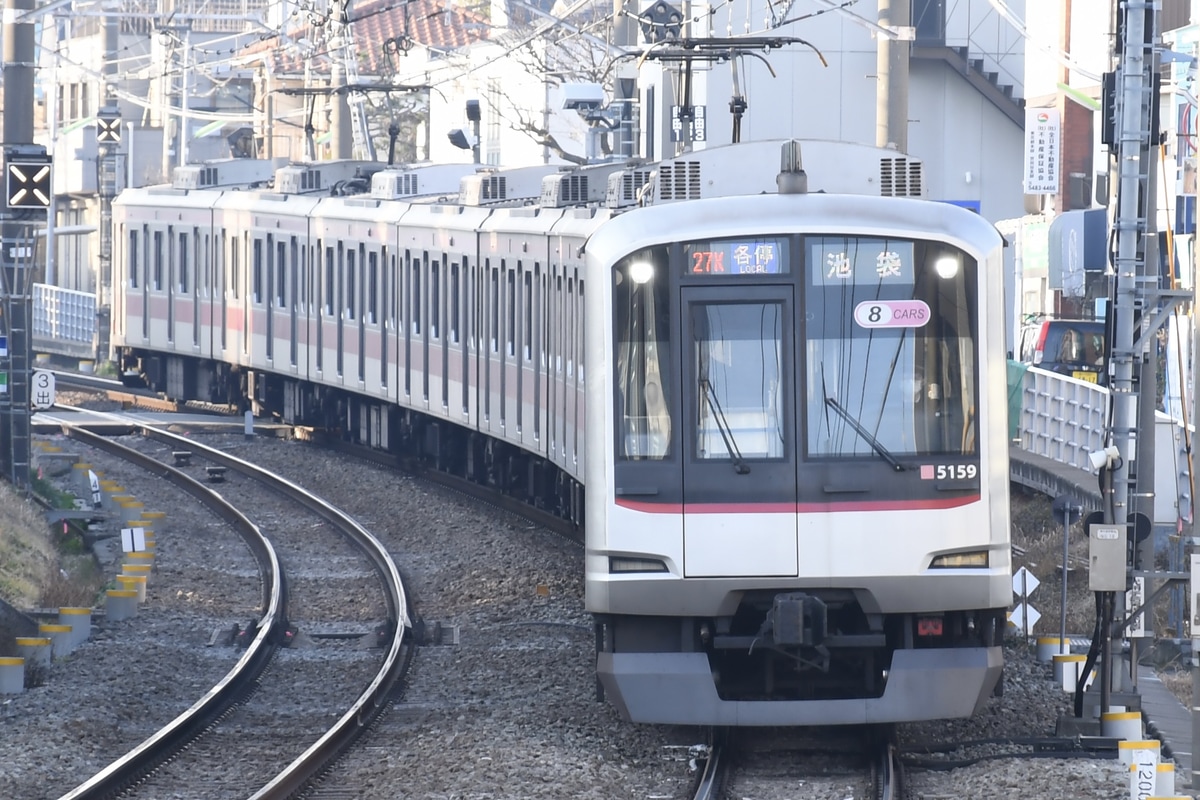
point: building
(552, 82)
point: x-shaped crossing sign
(108, 130)
(27, 183)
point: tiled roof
(436, 24)
(439, 25)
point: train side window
(351, 276)
(144, 265)
(579, 324)
(510, 327)
(296, 270)
(268, 293)
(527, 313)
(158, 260)
(309, 258)
(394, 294)
(470, 322)
(361, 278)
(339, 286)
(558, 327)
(281, 248)
(415, 294)
(372, 309)
(235, 267)
(494, 307)
(329, 274)
(543, 320)
(200, 263)
(435, 298)
(406, 290)
(642, 332)
(132, 264)
(570, 327)
(183, 262)
(257, 274)
(454, 302)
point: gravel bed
(503, 708)
(135, 675)
(332, 588)
(1030, 708)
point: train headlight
(946, 267)
(641, 272)
(973, 559)
(625, 564)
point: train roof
(412, 181)
(226, 173)
(751, 168)
(793, 213)
(745, 168)
(496, 187)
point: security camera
(1102, 459)
(582, 96)
(461, 139)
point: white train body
(823, 575)
(775, 536)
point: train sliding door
(739, 464)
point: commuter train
(782, 388)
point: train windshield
(737, 351)
(890, 328)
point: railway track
(472, 726)
(242, 713)
(511, 664)
(487, 495)
(810, 764)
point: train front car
(798, 488)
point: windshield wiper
(865, 434)
(710, 396)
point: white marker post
(1143, 774)
(1024, 583)
(133, 540)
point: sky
(1089, 47)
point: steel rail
(361, 713)
(229, 690)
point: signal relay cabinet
(1106, 558)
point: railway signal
(27, 179)
(108, 129)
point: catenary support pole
(16, 244)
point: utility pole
(109, 178)
(1132, 89)
(1140, 305)
(625, 85)
(27, 191)
(891, 89)
(351, 132)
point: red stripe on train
(797, 508)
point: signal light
(929, 626)
(108, 130)
(28, 182)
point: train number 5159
(956, 472)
